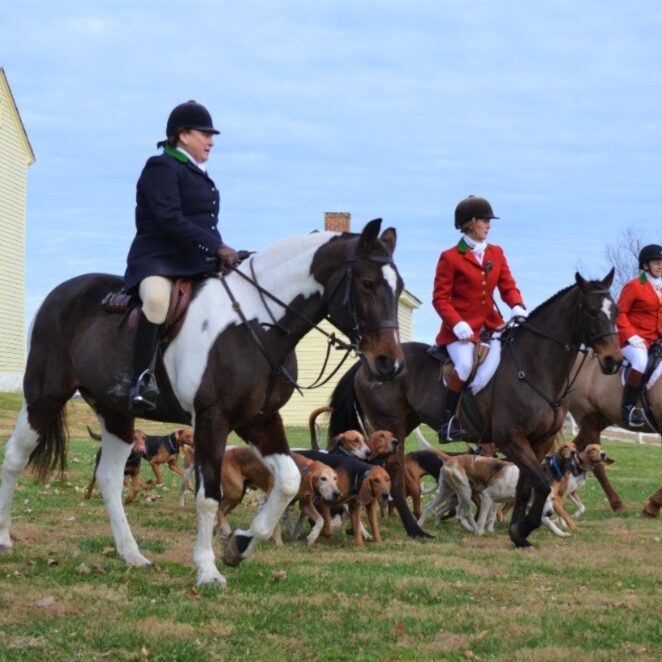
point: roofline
(31, 156)
(408, 298)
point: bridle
(355, 335)
(580, 345)
(359, 329)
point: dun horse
(226, 374)
(520, 409)
(595, 403)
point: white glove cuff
(519, 311)
(462, 330)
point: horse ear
(370, 233)
(609, 278)
(579, 280)
(388, 238)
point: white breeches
(637, 356)
(155, 294)
(462, 355)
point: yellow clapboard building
(17, 157)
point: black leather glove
(227, 256)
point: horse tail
(345, 409)
(314, 441)
(51, 449)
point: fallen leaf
(52, 562)
(400, 629)
(44, 602)
(279, 575)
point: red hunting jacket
(639, 312)
(463, 290)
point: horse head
(598, 321)
(362, 288)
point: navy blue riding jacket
(177, 207)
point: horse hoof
(235, 548)
(212, 578)
(648, 511)
(137, 560)
(420, 534)
(523, 544)
(618, 508)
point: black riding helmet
(470, 208)
(189, 115)
(648, 253)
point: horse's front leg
(210, 433)
(267, 437)
(589, 433)
(395, 465)
(532, 477)
(110, 477)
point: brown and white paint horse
(222, 378)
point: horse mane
(551, 300)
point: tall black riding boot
(144, 391)
(450, 428)
(631, 412)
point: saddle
(129, 305)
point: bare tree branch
(623, 255)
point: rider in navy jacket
(177, 207)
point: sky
(382, 108)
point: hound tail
(314, 437)
(427, 445)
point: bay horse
(521, 407)
(226, 374)
(595, 403)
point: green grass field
(65, 595)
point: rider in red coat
(639, 323)
(464, 282)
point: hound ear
(609, 278)
(307, 488)
(333, 442)
(365, 494)
(389, 238)
(608, 460)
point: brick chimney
(337, 221)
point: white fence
(615, 432)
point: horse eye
(367, 284)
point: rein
(579, 346)
(333, 341)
